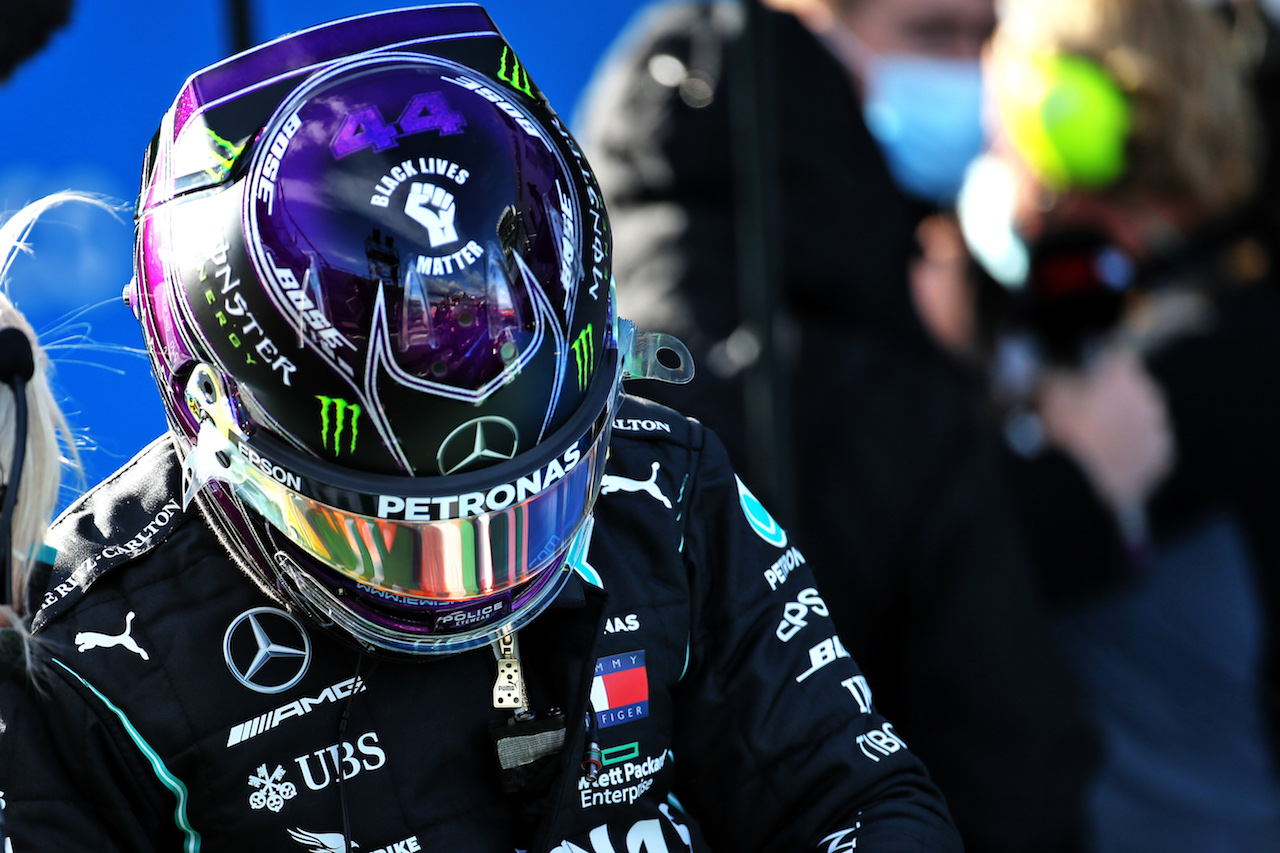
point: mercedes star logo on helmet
(487, 438)
(266, 649)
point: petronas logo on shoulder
(334, 416)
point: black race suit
(728, 714)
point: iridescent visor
(439, 548)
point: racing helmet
(372, 270)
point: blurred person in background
(30, 417)
(25, 29)
(869, 114)
(1116, 207)
(767, 169)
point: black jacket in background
(1221, 383)
(897, 492)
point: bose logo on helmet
(472, 504)
(498, 101)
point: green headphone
(1067, 118)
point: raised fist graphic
(432, 207)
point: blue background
(79, 116)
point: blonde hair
(48, 435)
(1194, 136)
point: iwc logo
(267, 650)
(485, 439)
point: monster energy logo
(224, 152)
(511, 71)
(584, 352)
(341, 408)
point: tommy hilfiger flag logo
(620, 689)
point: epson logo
(271, 469)
(472, 504)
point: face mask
(925, 112)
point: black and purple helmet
(373, 275)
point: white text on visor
(442, 548)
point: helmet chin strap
(508, 690)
